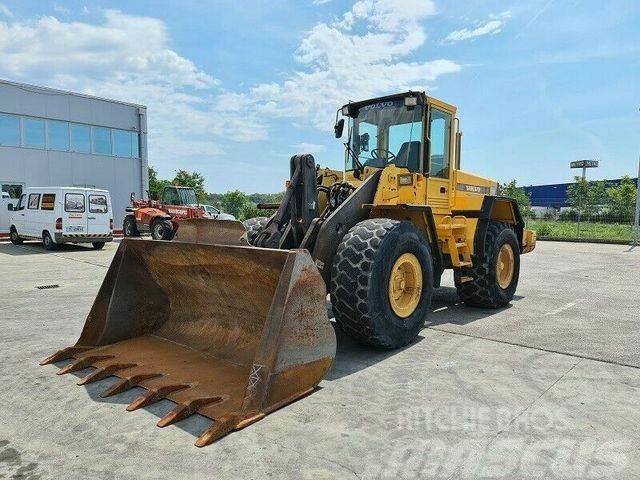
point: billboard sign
(584, 164)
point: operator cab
(402, 130)
(179, 196)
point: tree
(156, 185)
(621, 200)
(194, 180)
(512, 190)
(586, 197)
(234, 203)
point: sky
(234, 88)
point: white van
(58, 215)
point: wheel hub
(405, 285)
(505, 266)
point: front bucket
(210, 231)
(229, 332)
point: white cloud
(358, 56)
(128, 58)
(368, 51)
(5, 12)
(309, 148)
(320, 2)
(491, 27)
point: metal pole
(636, 224)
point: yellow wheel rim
(405, 285)
(505, 266)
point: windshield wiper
(359, 166)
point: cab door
(18, 215)
(99, 216)
(440, 154)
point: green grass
(556, 230)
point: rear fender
(497, 209)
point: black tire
(47, 241)
(97, 245)
(360, 281)
(130, 227)
(484, 290)
(254, 226)
(15, 238)
(162, 229)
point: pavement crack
(541, 395)
(540, 349)
(307, 454)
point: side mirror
(10, 207)
(339, 127)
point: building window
(48, 201)
(121, 143)
(9, 130)
(34, 201)
(33, 132)
(80, 138)
(57, 135)
(101, 140)
(74, 202)
(135, 145)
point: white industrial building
(55, 138)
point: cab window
(170, 196)
(22, 201)
(34, 201)
(439, 133)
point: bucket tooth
(183, 410)
(154, 395)
(83, 363)
(218, 429)
(64, 354)
(127, 383)
(105, 372)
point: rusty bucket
(210, 231)
(229, 332)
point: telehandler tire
(495, 272)
(129, 227)
(382, 282)
(162, 229)
(254, 226)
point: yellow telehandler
(230, 321)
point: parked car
(57, 215)
(212, 212)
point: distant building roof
(555, 195)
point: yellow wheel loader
(230, 321)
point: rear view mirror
(10, 207)
(339, 127)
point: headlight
(405, 179)
(410, 101)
